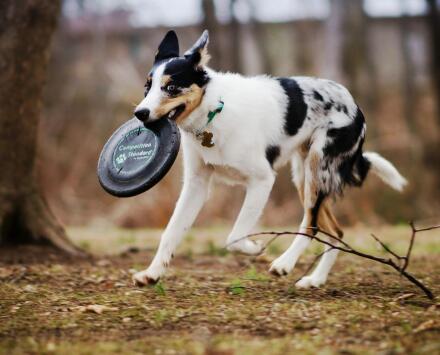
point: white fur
(155, 94)
(253, 119)
(385, 171)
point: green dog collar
(203, 135)
(212, 114)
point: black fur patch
(168, 48)
(183, 74)
(315, 212)
(344, 138)
(354, 168)
(272, 153)
(317, 96)
(328, 105)
(296, 109)
(341, 107)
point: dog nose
(142, 114)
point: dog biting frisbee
(137, 156)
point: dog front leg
(193, 195)
(257, 193)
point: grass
(213, 302)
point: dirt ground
(212, 302)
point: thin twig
(271, 240)
(428, 228)
(312, 264)
(349, 249)
(410, 246)
(385, 247)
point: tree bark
(408, 73)
(353, 47)
(431, 147)
(434, 28)
(211, 24)
(234, 33)
(26, 29)
(263, 47)
(333, 41)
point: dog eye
(171, 88)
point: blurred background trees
(26, 29)
(387, 52)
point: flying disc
(137, 156)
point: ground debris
(5, 272)
(93, 308)
(428, 325)
(221, 306)
(404, 296)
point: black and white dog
(240, 130)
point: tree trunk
(434, 28)
(263, 47)
(408, 73)
(211, 24)
(26, 28)
(432, 157)
(234, 33)
(333, 41)
(353, 47)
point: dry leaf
(404, 297)
(103, 262)
(30, 288)
(4, 272)
(14, 309)
(429, 324)
(264, 259)
(94, 308)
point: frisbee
(137, 156)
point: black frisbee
(138, 156)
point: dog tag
(207, 139)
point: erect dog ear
(168, 48)
(198, 53)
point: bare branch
(312, 264)
(345, 247)
(427, 228)
(385, 247)
(410, 246)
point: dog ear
(168, 48)
(198, 53)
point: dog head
(176, 84)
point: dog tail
(385, 171)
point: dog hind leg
(313, 198)
(328, 223)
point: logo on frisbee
(135, 150)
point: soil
(211, 303)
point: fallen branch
(395, 263)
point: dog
(240, 130)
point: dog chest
(228, 175)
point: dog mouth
(175, 113)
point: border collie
(240, 130)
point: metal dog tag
(207, 139)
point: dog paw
(247, 247)
(144, 278)
(310, 281)
(280, 267)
